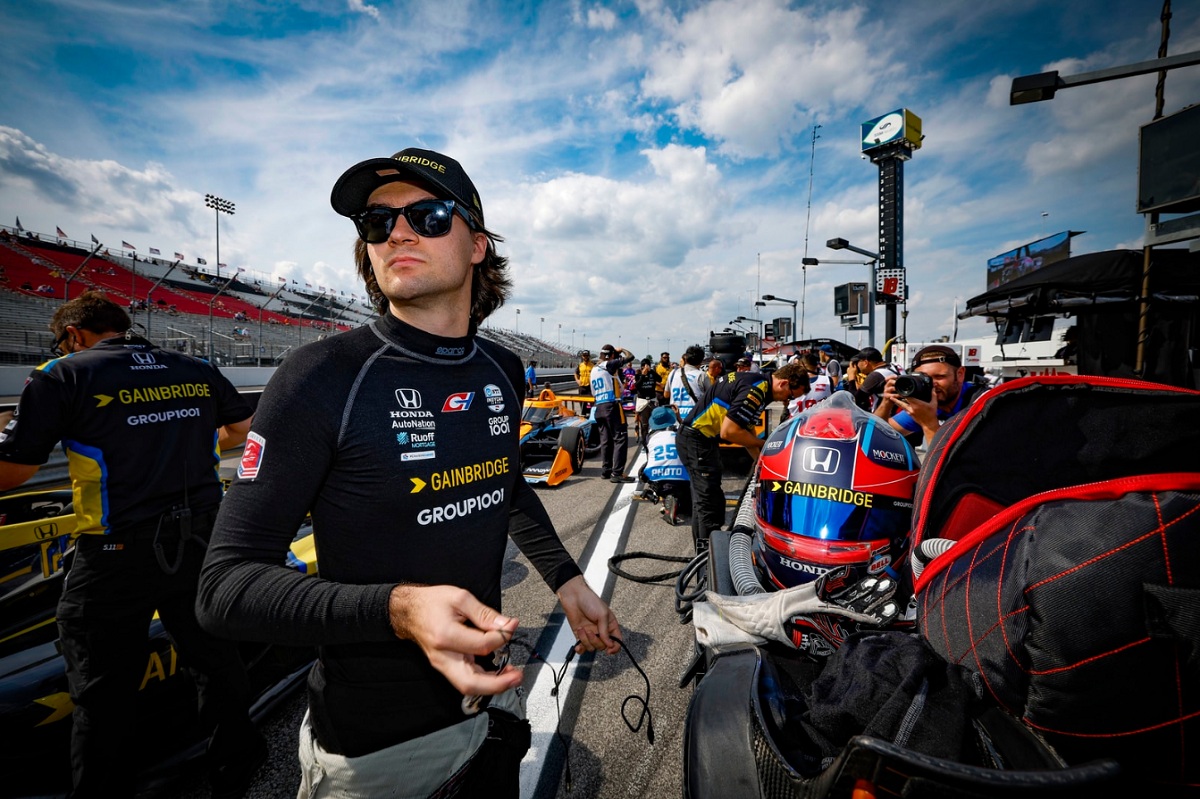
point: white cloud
(359, 7)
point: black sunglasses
(56, 349)
(430, 218)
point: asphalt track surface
(603, 756)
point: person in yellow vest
(583, 372)
(663, 370)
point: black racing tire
(722, 343)
(572, 441)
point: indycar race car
(35, 705)
(809, 680)
(555, 433)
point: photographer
(934, 390)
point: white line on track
(540, 706)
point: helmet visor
(827, 513)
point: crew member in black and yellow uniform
(728, 411)
(142, 428)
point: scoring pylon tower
(889, 141)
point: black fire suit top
(405, 448)
(739, 395)
(138, 425)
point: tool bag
(1066, 511)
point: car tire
(571, 440)
(722, 343)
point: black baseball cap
(440, 173)
(936, 353)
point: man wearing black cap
(663, 370)
(831, 365)
(614, 429)
(400, 439)
(870, 373)
(919, 419)
(583, 371)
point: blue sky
(648, 163)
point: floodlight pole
(1044, 85)
(219, 206)
(889, 324)
(793, 303)
(873, 263)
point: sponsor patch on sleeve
(252, 456)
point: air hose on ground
(741, 561)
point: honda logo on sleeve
(409, 398)
(821, 460)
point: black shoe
(620, 478)
(606, 475)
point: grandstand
(233, 319)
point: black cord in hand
(558, 675)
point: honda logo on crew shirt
(143, 358)
(821, 460)
(409, 398)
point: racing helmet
(834, 488)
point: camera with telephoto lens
(916, 385)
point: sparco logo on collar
(409, 398)
(821, 460)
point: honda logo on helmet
(821, 460)
(409, 398)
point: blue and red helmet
(835, 488)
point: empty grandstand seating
(241, 321)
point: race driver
(400, 438)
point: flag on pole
(282, 279)
(126, 245)
(154, 251)
(201, 261)
(308, 285)
(94, 239)
(19, 224)
(179, 256)
(60, 232)
(222, 266)
(241, 269)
